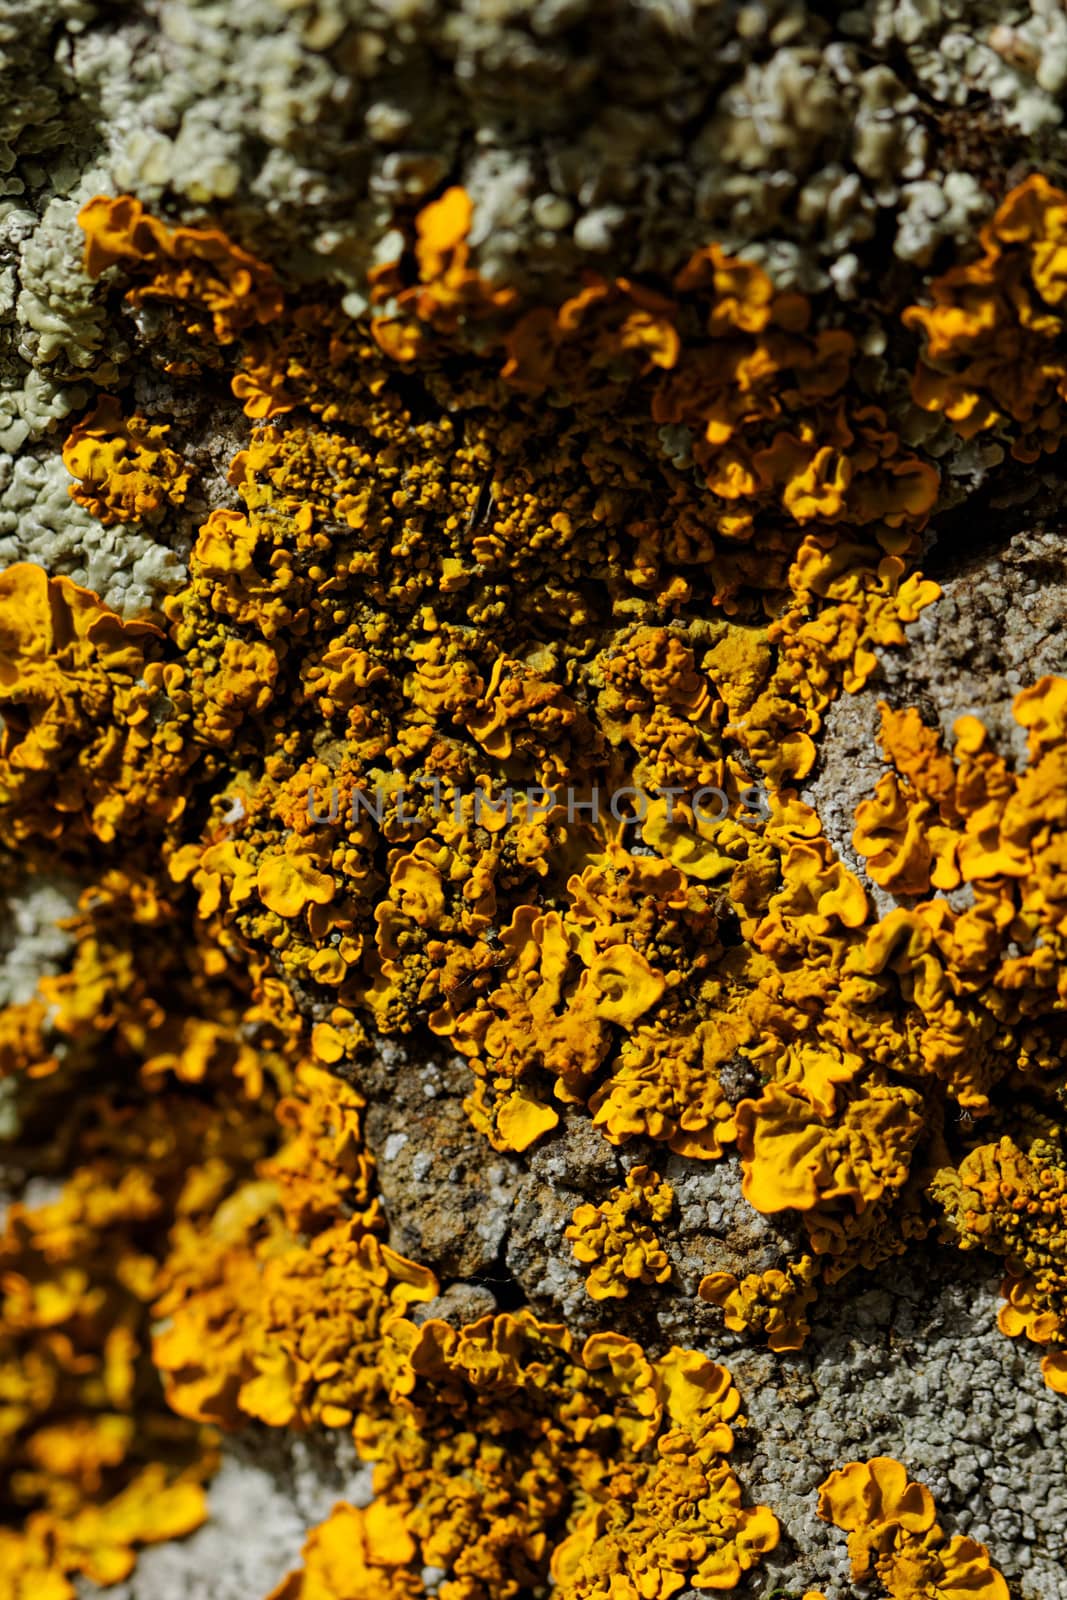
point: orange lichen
(772, 1302)
(763, 395)
(792, 1157)
(446, 290)
(263, 1326)
(665, 1086)
(90, 1450)
(485, 709)
(1013, 1201)
(356, 1554)
(562, 963)
(894, 1540)
(80, 748)
(218, 287)
(123, 467)
(992, 354)
(511, 1454)
(617, 1237)
(22, 1041)
(82, 1406)
(95, 1462)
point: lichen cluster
(893, 1539)
(498, 594)
(617, 1239)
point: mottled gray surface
(911, 1365)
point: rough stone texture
(911, 1366)
(1001, 623)
(448, 1197)
(493, 1223)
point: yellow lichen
(617, 1238)
(356, 1555)
(510, 1451)
(992, 356)
(221, 288)
(771, 1302)
(123, 468)
(894, 1540)
(82, 1406)
(485, 709)
(78, 746)
(1013, 1201)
